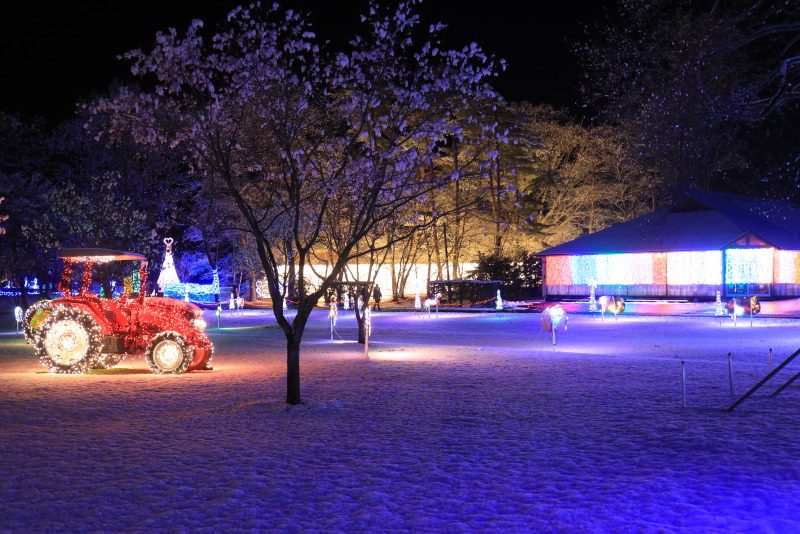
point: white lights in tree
(168, 273)
(262, 289)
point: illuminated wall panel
(624, 269)
(584, 270)
(786, 267)
(558, 270)
(748, 265)
(694, 268)
(660, 269)
(602, 269)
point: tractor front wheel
(168, 353)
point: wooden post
(367, 330)
(730, 372)
(683, 383)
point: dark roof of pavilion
(697, 220)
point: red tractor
(81, 332)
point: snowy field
(461, 423)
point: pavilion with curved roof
(703, 243)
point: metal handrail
(766, 379)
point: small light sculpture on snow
(498, 305)
(332, 313)
(615, 305)
(719, 309)
(417, 301)
(432, 302)
(553, 319)
(18, 315)
(736, 309)
(168, 273)
(592, 299)
(367, 330)
(346, 300)
(741, 306)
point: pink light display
(787, 267)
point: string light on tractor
(78, 333)
(34, 317)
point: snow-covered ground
(465, 422)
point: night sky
(52, 57)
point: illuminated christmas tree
(168, 274)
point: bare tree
(305, 141)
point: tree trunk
(359, 311)
(253, 293)
(291, 283)
(437, 254)
(395, 294)
(293, 371)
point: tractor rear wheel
(69, 340)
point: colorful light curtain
(748, 265)
(694, 268)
